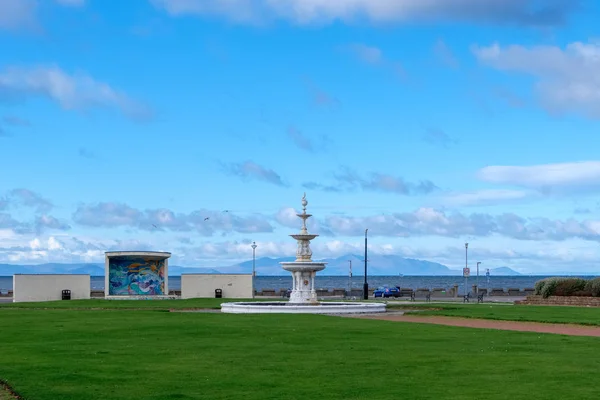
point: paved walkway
(560, 329)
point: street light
(350, 279)
(254, 246)
(477, 290)
(466, 266)
(366, 285)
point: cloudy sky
(195, 126)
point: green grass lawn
(546, 314)
(125, 304)
(572, 315)
(73, 354)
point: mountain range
(377, 265)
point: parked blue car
(385, 291)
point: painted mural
(136, 276)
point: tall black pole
(253, 266)
(366, 285)
(466, 266)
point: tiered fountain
(304, 268)
(303, 298)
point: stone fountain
(304, 269)
(303, 298)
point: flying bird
(207, 218)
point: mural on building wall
(136, 276)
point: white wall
(203, 285)
(49, 287)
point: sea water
(342, 282)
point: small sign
(466, 272)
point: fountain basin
(282, 307)
(303, 266)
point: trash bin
(218, 293)
(66, 294)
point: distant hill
(385, 265)
(94, 269)
(175, 270)
(53, 268)
(502, 271)
(378, 265)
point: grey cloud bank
(249, 170)
(514, 12)
(567, 79)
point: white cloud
(44, 222)
(25, 198)
(567, 80)
(432, 222)
(287, 217)
(521, 12)
(35, 244)
(249, 170)
(64, 249)
(71, 91)
(571, 255)
(349, 180)
(484, 197)
(545, 177)
(204, 222)
(107, 215)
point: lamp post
(254, 246)
(466, 266)
(366, 285)
(477, 289)
(350, 279)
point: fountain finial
(304, 216)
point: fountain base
(303, 281)
(282, 307)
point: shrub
(549, 287)
(593, 286)
(582, 293)
(569, 286)
(557, 286)
(539, 285)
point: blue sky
(124, 125)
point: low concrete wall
(48, 287)
(563, 301)
(358, 292)
(234, 286)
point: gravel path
(560, 329)
(6, 392)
